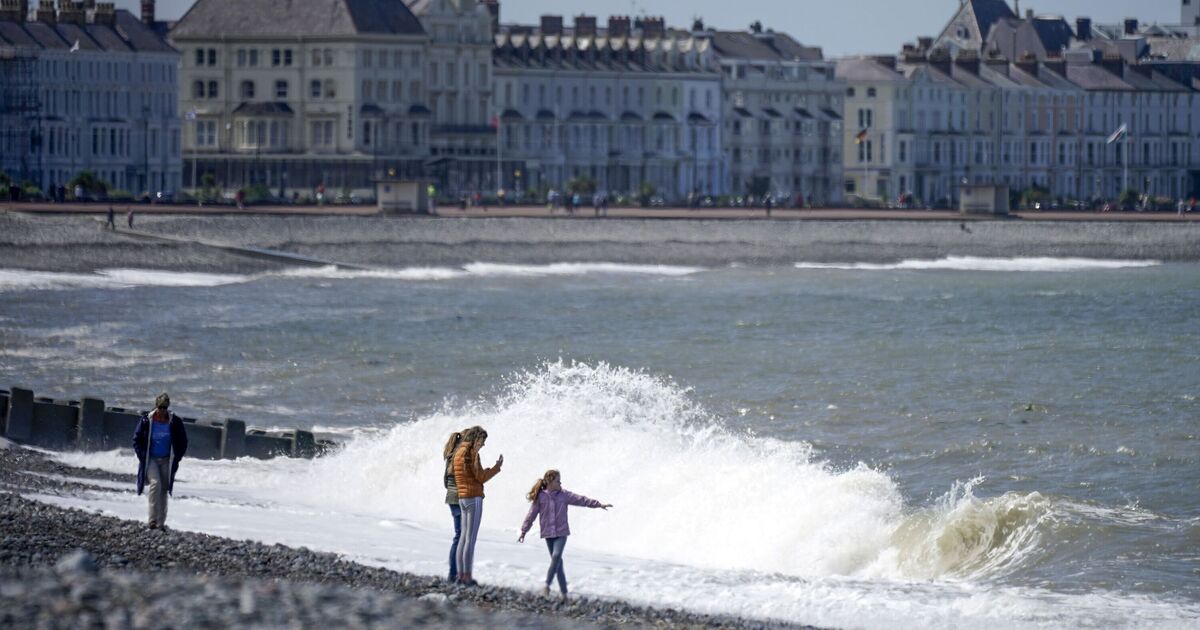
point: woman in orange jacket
(469, 477)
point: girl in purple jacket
(549, 505)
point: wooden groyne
(88, 424)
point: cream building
(300, 94)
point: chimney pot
(552, 25)
(148, 12)
(1083, 29)
(1131, 26)
(585, 26)
(618, 26)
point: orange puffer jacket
(469, 474)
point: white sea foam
(973, 263)
(23, 280)
(704, 518)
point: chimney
(106, 14)
(887, 61)
(585, 26)
(968, 60)
(1114, 64)
(653, 27)
(1131, 26)
(1058, 66)
(9, 11)
(998, 64)
(924, 43)
(618, 26)
(71, 13)
(45, 12)
(148, 12)
(1083, 29)
(1029, 63)
(552, 25)
(940, 59)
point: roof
(865, 69)
(988, 12)
(295, 18)
(127, 34)
(769, 46)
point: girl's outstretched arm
(582, 501)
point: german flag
(862, 135)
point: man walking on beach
(129, 218)
(159, 442)
(112, 219)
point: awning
(545, 114)
(511, 114)
(371, 110)
(263, 109)
(772, 112)
(697, 117)
(419, 110)
(831, 114)
(663, 116)
(743, 112)
(630, 116)
(803, 113)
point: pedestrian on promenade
(129, 218)
(448, 451)
(769, 201)
(159, 442)
(112, 219)
(469, 477)
(549, 504)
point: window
(903, 147)
(870, 92)
(198, 89)
(199, 56)
(287, 57)
(850, 94)
(212, 56)
(366, 90)
(254, 57)
(329, 56)
(246, 90)
(212, 89)
(276, 57)
(241, 57)
(314, 88)
(368, 58)
(316, 57)
(330, 88)
(281, 89)
(398, 61)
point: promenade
(528, 211)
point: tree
(90, 184)
(1129, 198)
(209, 183)
(581, 186)
(758, 186)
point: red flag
(862, 135)
(495, 122)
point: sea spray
(687, 489)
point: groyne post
(233, 439)
(90, 429)
(18, 425)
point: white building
(926, 123)
(87, 87)
(627, 106)
(459, 92)
(296, 95)
(782, 108)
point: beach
(77, 243)
(63, 568)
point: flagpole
(499, 153)
(1125, 174)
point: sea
(947, 443)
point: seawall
(88, 424)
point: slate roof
(767, 46)
(988, 12)
(865, 69)
(127, 34)
(295, 18)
